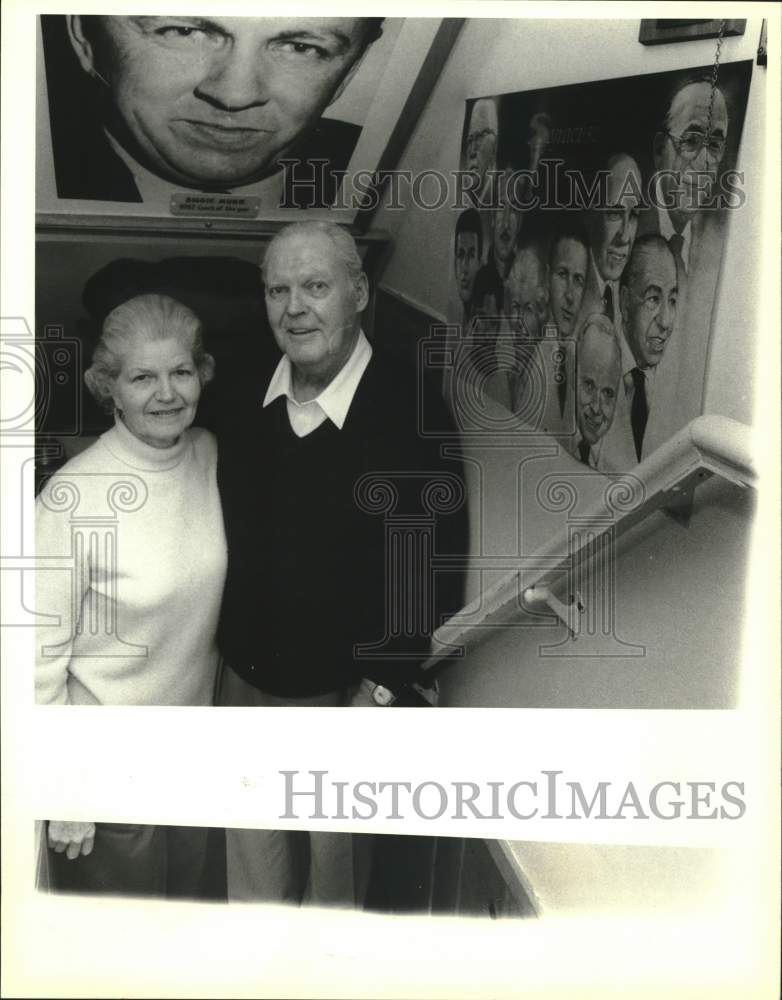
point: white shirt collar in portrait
(666, 226)
(333, 403)
(156, 192)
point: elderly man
(599, 369)
(612, 230)
(648, 301)
(480, 145)
(506, 227)
(317, 609)
(503, 229)
(688, 149)
(202, 103)
(526, 298)
(525, 308)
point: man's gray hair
(344, 244)
(695, 78)
(644, 245)
(598, 321)
(145, 317)
(531, 250)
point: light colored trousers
(294, 866)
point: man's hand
(409, 695)
(72, 838)
(362, 698)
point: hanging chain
(715, 72)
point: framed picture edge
(82, 214)
(654, 31)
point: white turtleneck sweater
(133, 619)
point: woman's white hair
(145, 317)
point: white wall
(500, 56)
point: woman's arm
(60, 588)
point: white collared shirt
(333, 402)
(667, 228)
(156, 191)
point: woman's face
(157, 390)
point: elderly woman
(135, 522)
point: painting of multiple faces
(586, 263)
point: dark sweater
(307, 563)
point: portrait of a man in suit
(649, 301)
(142, 105)
(467, 251)
(612, 230)
(480, 145)
(568, 260)
(688, 150)
(598, 374)
(526, 302)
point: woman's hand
(72, 838)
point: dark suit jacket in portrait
(681, 373)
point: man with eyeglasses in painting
(687, 151)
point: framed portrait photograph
(235, 118)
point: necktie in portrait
(639, 411)
(608, 302)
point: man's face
(649, 306)
(466, 263)
(524, 297)
(216, 101)
(599, 371)
(613, 227)
(566, 283)
(507, 225)
(313, 305)
(691, 150)
(481, 143)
